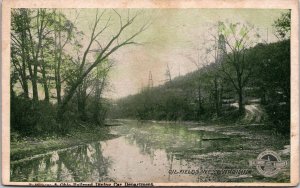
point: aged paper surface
(150, 93)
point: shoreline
(21, 149)
(29, 147)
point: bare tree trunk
(99, 88)
(81, 102)
(24, 61)
(58, 81)
(40, 25)
(97, 101)
(220, 99)
(199, 102)
(45, 84)
(62, 107)
(241, 105)
(35, 95)
(30, 69)
(241, 96)
(25, 83)
(29, 64)
(58, 58)
(46, 89)
(81, 108)
(216, 96)
(59, 64)
(36, 52)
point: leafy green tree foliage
(272, 76)
(283, 26)
(48, 57)
(238, 39)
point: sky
(172, 36)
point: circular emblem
(268, 163)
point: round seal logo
(268, 163)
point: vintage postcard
(150, 93)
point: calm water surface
(146, 152)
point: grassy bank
(23, 147)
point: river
(153, 152)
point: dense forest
(59, 74)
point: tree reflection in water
(82, 163)
(143, 153)
(182, 148)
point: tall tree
(21, 59)
(238, 39)
(19, 47)
(103, 52)
(63, 33)
(29, 33)
(36, 40)
(44, 75)
(100, 84)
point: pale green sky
(172, 35)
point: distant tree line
(242, 72)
